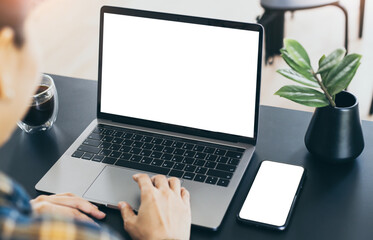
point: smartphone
(272, 195)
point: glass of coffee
(44, 107)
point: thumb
(127, 212)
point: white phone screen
(272, 193)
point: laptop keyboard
(161, 154)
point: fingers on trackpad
(114, 185)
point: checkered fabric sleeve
(17, 221)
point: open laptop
(177, 95)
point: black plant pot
(335, 133)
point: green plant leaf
(323, 75)
(303, 71)
(293, 75)
(303, 95)
(297, 53)
(331, 60)
(341, 75)
(321, 60)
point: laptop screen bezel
(171, 127)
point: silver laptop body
(180, 77)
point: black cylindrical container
(335, 133)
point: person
(164, 212)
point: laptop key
(98, 130)
(190, 168)
(77, 154)
(176, 173)
(95, 136)
(135, 150)
(199, 163)
(177, 158)
(137, 144)
(220, 152)
(143, 167)
(125, 149)
(147, 139)
(211, 180)
(127, 142)
(179, 152)
(92, 142)
(117, 140)
(157, 141)
(156, 155)
(127, 135)
(210, 164)
(108, 132)
(198, 148)
(200, 155)
(226, 167)
(233, 161)
(148, 146)
(166, 156)
(118, 134)
(222, 160)
(146, 160)
(189, 154)
(145, 153)
(137, 137)
(189, 175)
(188, 146)
(168, 164)
(98, 158)
(168, 150)
(167, 143)
(105, 145)
(109, 160)
(87, 156)
(223, 182)
(177, 144)
(158, 148)
(125, 156)
(157, 162)
(188, 160)
(209, 150)
(179, 166)
(115, 154)
(90, 149)
(105, 152)
(135, 158)
(200, 178)
(115, 147)
(107, 139)
(201, 170)
(232, 154)
(220, 174)
(211, 157)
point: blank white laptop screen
(184, 74)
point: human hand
(164, 212)
(68, 205)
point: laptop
(178, 96)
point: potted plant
(334, 133)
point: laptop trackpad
(113, 185)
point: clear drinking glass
(44, 107)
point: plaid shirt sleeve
(17, 221)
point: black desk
(336, 201)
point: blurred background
(67, 31)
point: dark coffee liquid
(40, 114)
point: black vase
(335, 133)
